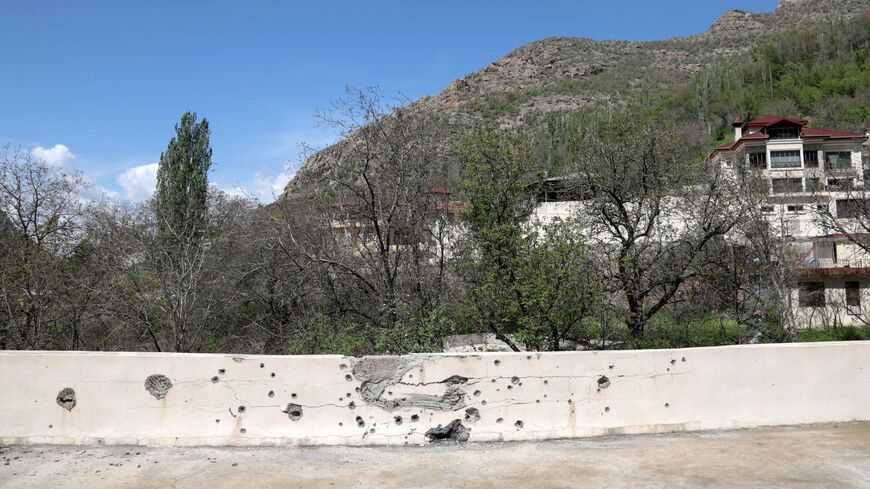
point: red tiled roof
(438, 190)
(769, 120)
(809, 132)
(834, 272)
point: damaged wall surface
(203, 399)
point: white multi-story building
(811, 173)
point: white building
(809, 172)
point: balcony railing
(831, 263)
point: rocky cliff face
(568, 74)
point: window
(811, 294)
(811, 158)
(783, 133)
(787, 185)
(795, 208)
(851, 208)
(853, 294)
(758, 160)
(767, 209)
(814, 184)
(785, 159)
(839, 183)
(838, 160)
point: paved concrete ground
(811, 456)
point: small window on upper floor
(758, 160)
(785, 159)
(783, 133)
(811, 158)
(787, 185)
(838, 159)
(839, 184)
(853, 293)
(795, 208)
(767, 209)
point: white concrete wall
(518, 396)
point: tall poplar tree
(182, 183)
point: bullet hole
(215, 379)
(683, 359)
(509, 387)
(455, 379)
(243, 431)
(241, 409)
(415, 418)
(272, 375)
(493, 381)
(293, 411)
(217, 421)
(262, 365)
(483, 402)
(472, 415)
(519, 424)
(398, 420)
(546, 382)
(158, 385)
(570, 401)
(497, 362)
(343, 366)
(607, 409)
(271, 393)
(293, 395)
(347, 395)
(66, 398)
(668, 369)
(667, 404)
(222, 371)
(528, 357)
(454, 432)
(610, 367)
(537, 401)
(356, 390)
(476, 393)
(351, 405)
(389, 393)
(515, 380)
(500, 420)
(340, 423)
(238, 359)
(603, 382)
(50, 426)
(360, 422)
(673, 361)
(347, 377)
(372, 430)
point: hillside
(567, 74)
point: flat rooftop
(835, 455)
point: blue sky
(97, 86)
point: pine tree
(182, 183)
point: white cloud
(139, 182)
(58, 155)
(267, 188)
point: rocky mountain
(568, 74)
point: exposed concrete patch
(158, 385)
(66, 398)
(453, 432)
(379, 373)
(294, 411)
(472, 415)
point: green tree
(181, 200)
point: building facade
(813, 176)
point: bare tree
(650, 211)
(378, 235)
(40, 262)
